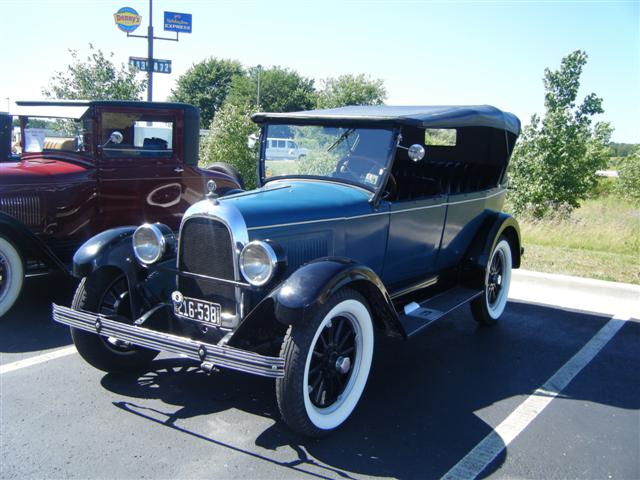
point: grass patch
(600, 240)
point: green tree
(281, 90)
(227, 141)
(351, 90)
(628, 183)
(206, 85)
(554, 165)
(96, 78)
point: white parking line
(490, 447)
(45, 357)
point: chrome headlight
(258, 263)
(151, 242)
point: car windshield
(354, 155)
(56, 134)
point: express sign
(178, 22)
(127, 19)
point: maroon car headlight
(258, 263)
(151, 242)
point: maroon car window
(58, 134)
(141, 135)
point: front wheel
(488, 308)
(327, 363)
(107, 292)
(11, 275)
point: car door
(140, 177)
(415, 233)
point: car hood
(37, 171)
(283, 202)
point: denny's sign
(127, 19)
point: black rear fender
(494, 226)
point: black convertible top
(446, 116)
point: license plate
(199, 310)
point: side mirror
(116, 137)
(252, 140)
(416, 152)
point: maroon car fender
(28, 244)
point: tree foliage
(350, 90)
(227, 141)
(206, 85)
(96, 78)
(554, 165)
(628, 183)
(281, 90)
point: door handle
(178, 169)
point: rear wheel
(11, 275)
(488, 308)
(107, 292)
(228, 169)
(327, 363)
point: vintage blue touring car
(391, 219)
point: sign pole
(127, 20)
(150, 54)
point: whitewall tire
(327, 364)
(11, 275)
(489, 307)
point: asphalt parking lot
(428, 404)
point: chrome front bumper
(206, 353)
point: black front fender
(111, 248)
(312, 285)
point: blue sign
(159, 65)
(177, 22)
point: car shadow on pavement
(427, 404)
(28, 326)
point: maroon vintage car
(81, 167)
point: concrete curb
(575, 292)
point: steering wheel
(391, 188)
(343, 167)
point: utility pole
(258, 94)
(150, 54)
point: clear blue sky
(426, 52)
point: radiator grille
(25, 208)
(206, 249)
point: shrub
(227, 142)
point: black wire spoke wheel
(327, 362)
(106, 292)
(496, 275)
(115, 301)
(331, 361)
(488, 308)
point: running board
(417, 316)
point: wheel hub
(343, 364)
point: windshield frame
(376, 191)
